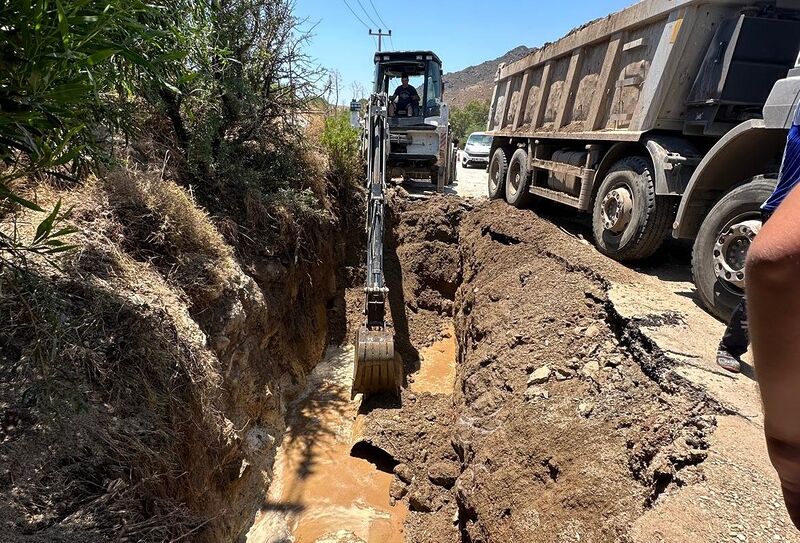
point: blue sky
(462, 33)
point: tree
(472, 118)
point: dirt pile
(144, 383)
(566, 426)
(565, 423)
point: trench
(482, 444)
(328, 486)
(330, 483)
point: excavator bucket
(377, 369)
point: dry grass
(131, 369)
(105, 375)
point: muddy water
(320, 493)
(437, 372)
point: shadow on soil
(672, 263)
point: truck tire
(498, 167)
(453, 167)
(722, 243)
(628, 220)
(438, 178)
(518, 180)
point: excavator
(398, 142)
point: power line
(377, 13)
(379, 16)
(367, 13)
(356, 16)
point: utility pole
(380, 35)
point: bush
(214, 87)
(472, 118)
(342, 144)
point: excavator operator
(405, 98)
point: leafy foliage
(341, 142)
(67, 69)
(469, 119)
(216, 84)
(48, 239)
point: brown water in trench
(319, 492)
(437, 365)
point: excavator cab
(424, 72)
(421, 143)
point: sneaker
(728, 361)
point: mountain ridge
(475, 83)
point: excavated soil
(537, 405)
(564, 423)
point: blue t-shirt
(789, 175)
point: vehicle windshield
(479, 139)
(425, 77)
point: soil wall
(145, 380)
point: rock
(591, 368)
(541, 375)
(342, 536)
(403, 472)
(592, 331)
(515, 340)
(585, 409)
(613, 361)
(534, 392)
(418, 500)
(398, 489)
(574, 363)
(562, 374)
(443, 474)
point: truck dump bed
(691, 66)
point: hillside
(475, 82)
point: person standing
(735, 340)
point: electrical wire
(367, 14)
(378, 14)
(355, 15)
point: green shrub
(342, 144)
(469, 119)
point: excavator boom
(377, 368)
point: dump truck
(670, 115)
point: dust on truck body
(624, 118)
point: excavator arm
(377, 369)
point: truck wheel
(629, 221)
(438, 179)
(497, 173)
(722, 243)
(453, 167)
(518, 179)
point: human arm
(773, 297)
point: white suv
(476, 151)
